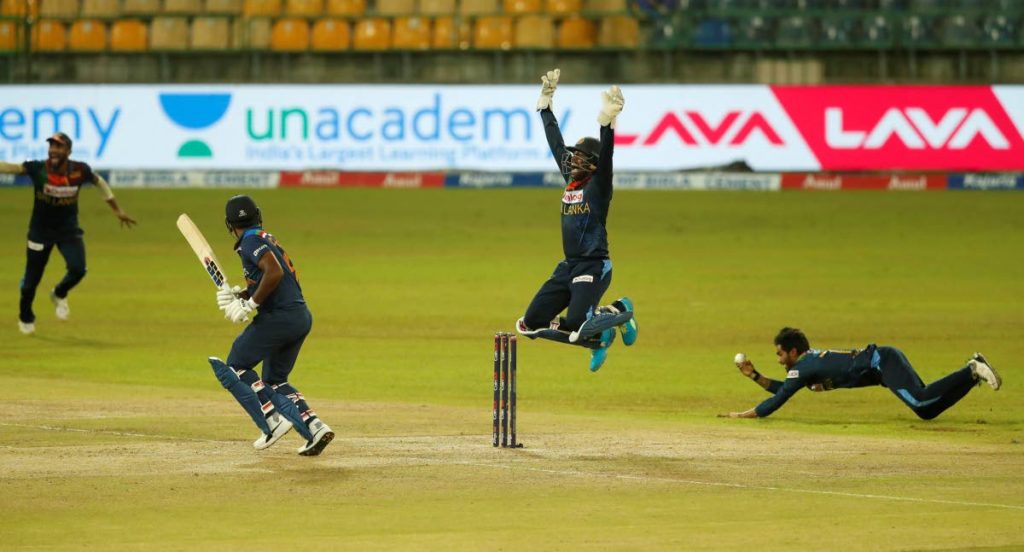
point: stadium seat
(9, 39)
(918, 31)
(998, 32)
(618, 31)
(17, 8)
(128, 35)
(186, 7)
(140, 7)
(713, 33)
(516, 7)
(396, 7)
(576, 33)
(59, 9)
(876, 32)
(437, 7)
(492, 33)
(346, 8)
(563, 7)
(101, 8)
(794, 32)
(449, 35)
(755, 32)
(168, 34)
(252, 34)
(210, 33)
(49, 36)
(372, 33)
(262, 8)
(959, 31)
(837, 33)
(478, 7)
(331, 35)
(303, 8)
(411, 33)
(290, 35)
(87, 35)
(227, 7)
(535, 32)
(605, 6)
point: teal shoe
(599, 355)
(630, 329)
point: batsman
(281, 322)
(582, 277)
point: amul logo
(195, 111)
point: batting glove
(612, 102)
(226, 296)
(547, 91)
(238, 310)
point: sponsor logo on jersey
(259, 250)
(573, 196)
(586, 279)
(793, 374)
(60, 191)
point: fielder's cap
(60, 138)
(588, 145)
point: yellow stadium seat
(128, 35)
(262, 8)
(449, 35)
(9, 36)
(49, 36)
(576, 33)
(396, 7)
(61, 9)
(304, 8)
(252, 34)
(373, 33)
(411, 33)
(140, 7)
(290, 35)
(232, 7)
(101, 8)
(535, 31)
(88, 35)
(479, 7)
(168, 33)
(18, 8)
(210, 33)
(606, 6)
(516, 7)
(437, 7)
(346, 8)
(331, 34)
(493, 33)
(563, 7)
(183, 6)
(618, 31)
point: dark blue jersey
(830, 369)
(55, 211)
(584, 204)
(251, 247)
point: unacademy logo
(195, 112)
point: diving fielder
(54, 222)
(580, 279)
(873, 365)
(274, 337)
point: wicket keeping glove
(226, 295)
(238, 310)
(612, 102)
(547, 91)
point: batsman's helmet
(241, 212)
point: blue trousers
(576, 285)
(273, 338)
(37, 255)
(927, 401)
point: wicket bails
(504, 391)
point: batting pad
(242, 392)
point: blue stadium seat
(794, 32)
(960, 31)
(998, 31)
(713, 32)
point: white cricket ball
(739, 359)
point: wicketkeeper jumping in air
(274, 337)
(580, 280)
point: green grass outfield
(114, 434)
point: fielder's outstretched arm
(766, 383)
(108, 196)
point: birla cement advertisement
(495, 128)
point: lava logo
(957, 128)
(733, 130)
(195, 112)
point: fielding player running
(274, 337)
(580, 280)
(57, 181)
(885, 366)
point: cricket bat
(203, 250)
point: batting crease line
(576, 473)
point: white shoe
(27, 328)
(278, 428)
(985, 372)
(322, 436)
(62, 310)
